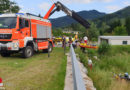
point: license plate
(3, 45)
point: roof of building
(115, 37)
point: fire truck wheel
(27, 52)
(5, 54)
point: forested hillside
(117, 23)
(123, 13)
(66, 20)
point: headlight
(15, 45)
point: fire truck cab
(24, 33)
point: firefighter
(85, 39)
(64, 41)
(70, 41)
(74, 44)
(76, 39)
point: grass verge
(36, 73)
(117, 60)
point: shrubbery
(115, 60)
(91, 53)
(104, 48)
(83, 58)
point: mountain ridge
(66, 20)
(93, 15)
(122, 13)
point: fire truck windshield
(7, 22)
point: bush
(91, 52)
(113, 61)
(104, 48)
(120, 30)
(83, 58)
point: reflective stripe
(1, 84)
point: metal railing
(77, 77)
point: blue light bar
(19, 13)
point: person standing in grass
(74, 44)
(70, 41)
(85, 39)
(64, 41)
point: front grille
(5, 36)
(3, 48)
(4, 42)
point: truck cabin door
(24, 27)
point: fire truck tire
(27, 52)
(5, 54)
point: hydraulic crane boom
(59, 6)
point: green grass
(117, 60)
(36, 73)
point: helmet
(126, 75)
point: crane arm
(59, 6)
(48, 13)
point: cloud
(21, 6)
(27, 10)
(45, 6)
(106, 0)
(113, 8)
(76, 1)
(84, 1)
(127, 3)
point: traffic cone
(1, 83)
(90, 64)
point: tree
(57, 32)
(7, 6)
(120, 30)
(39, 15)
(128, 25)
(103, 28)
(77, 27)
(93, 32)
(114, 24)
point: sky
(42, 6)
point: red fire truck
(26, 33)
